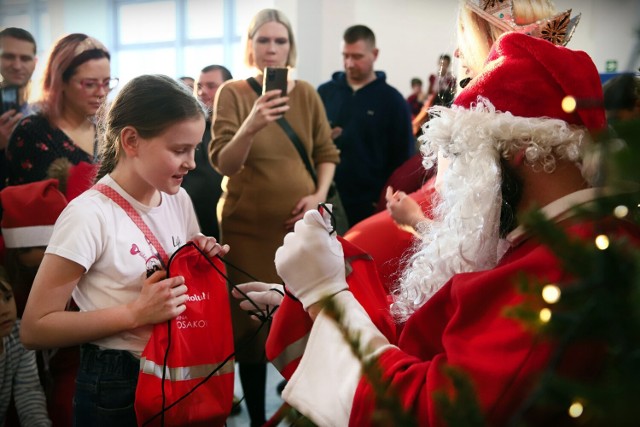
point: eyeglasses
(91, 85)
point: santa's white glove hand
(311, 260)
(262, 294)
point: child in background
(417, 97)
(30, 211)
(98, 255)
(18, 370)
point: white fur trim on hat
(458, 131)
(27, 237)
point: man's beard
(476, 208)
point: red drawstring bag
(197, 348)
(291, 325)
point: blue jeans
(105, 388)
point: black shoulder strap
(255, 85)
(286, 127)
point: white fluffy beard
(464, 233)
(462, 238)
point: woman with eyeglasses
(266, 187)
(76, 81)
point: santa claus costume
(463, 278)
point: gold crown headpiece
(557, 29)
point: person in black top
(203, 183)
(17, 62)
(75, 83)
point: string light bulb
(621, 211)
(576, 409)
(602, 242)
(551, 294)
(569, 104)
(545, 315)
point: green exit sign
(611, 66)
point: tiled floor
(273, 400)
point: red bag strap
(135, 217)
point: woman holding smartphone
(266, 188)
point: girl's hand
(267, 108)
(210, 246)
(161, 299)
(306, 203)
(262, 294)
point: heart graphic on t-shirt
(134, 249)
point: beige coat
(257, 200)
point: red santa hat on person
(532, 99)
(531, 95)
(30, 211)
(530, 77)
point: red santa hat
(30, 211)
(531, 77)
(513, 108)
(531, 96)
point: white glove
(311, 261)
(262, 294)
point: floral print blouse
(34, 145)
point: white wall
(608, 30)
(411, 34)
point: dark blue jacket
(376, 138)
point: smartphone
(275, 78)
(9, 99)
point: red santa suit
(463, 322)
(463, 325)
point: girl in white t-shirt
(102, 259)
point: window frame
(34, 9)
(229, 36)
